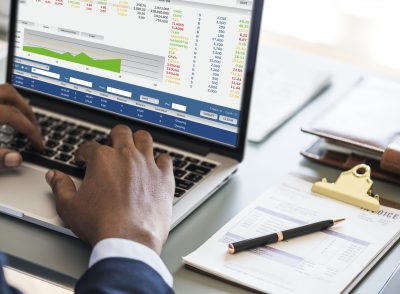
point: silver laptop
(182, 70)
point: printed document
(330, 261)
(29, 284)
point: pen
(281, 236)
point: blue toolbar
(170, 111)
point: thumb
(63, 188)
(9, 158)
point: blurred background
(4, 8)
(363, 32)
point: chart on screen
(195, 51)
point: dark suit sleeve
(4, 287)
(120, 276)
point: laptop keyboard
(62, 138)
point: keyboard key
(201, 170)
(179, 192)
(50, 163)
(61, 128)
(19, 136)
(77, 164)
(45, 124)
(183, 184)
(176, 155)
(99, 133)
(102, 140)
(74, 132)
(179, 163)
(6, 129)
(71, 140)
(88, 137)
(6, 138)
(19, 143)
(63, 157)
(82, 128)
(56, 136)
(193, 178)
(192, 160)
(39, 115)
(179, 173)
(66, 148)
(208, 164)
(70, 124)
(29, 148)
(53, 120)
(160, 150)
(52, 144)
(45, 131)
(48, 153)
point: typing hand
(16, 112)
(126, 193)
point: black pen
(281, 236)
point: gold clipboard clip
(353, 187)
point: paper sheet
(326, 262)
(3, 49)
(31, 285)
(282, 86)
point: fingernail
(12, 159)
(49, 176)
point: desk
(69, 256)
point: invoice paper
(327, 262)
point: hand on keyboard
(16, 115)
(126, 192)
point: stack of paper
(331, 261)
(282, 86)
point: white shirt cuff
(121, 248)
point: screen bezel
(161, 135)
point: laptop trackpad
(25, 189)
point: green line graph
(113, 65)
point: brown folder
(365, 127)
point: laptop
(182, 70)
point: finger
(164, 163)
(121, 137)
(64, 190)
(86, 152)
(10, 96)
(14, 117)
(144, 143)
(9, 158)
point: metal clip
(353, 187)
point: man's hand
(16, 112)
(126, 193)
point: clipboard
(354, 187)
(286, 267)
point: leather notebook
(362, 127)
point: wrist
(147, 239)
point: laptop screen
(177, 64)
